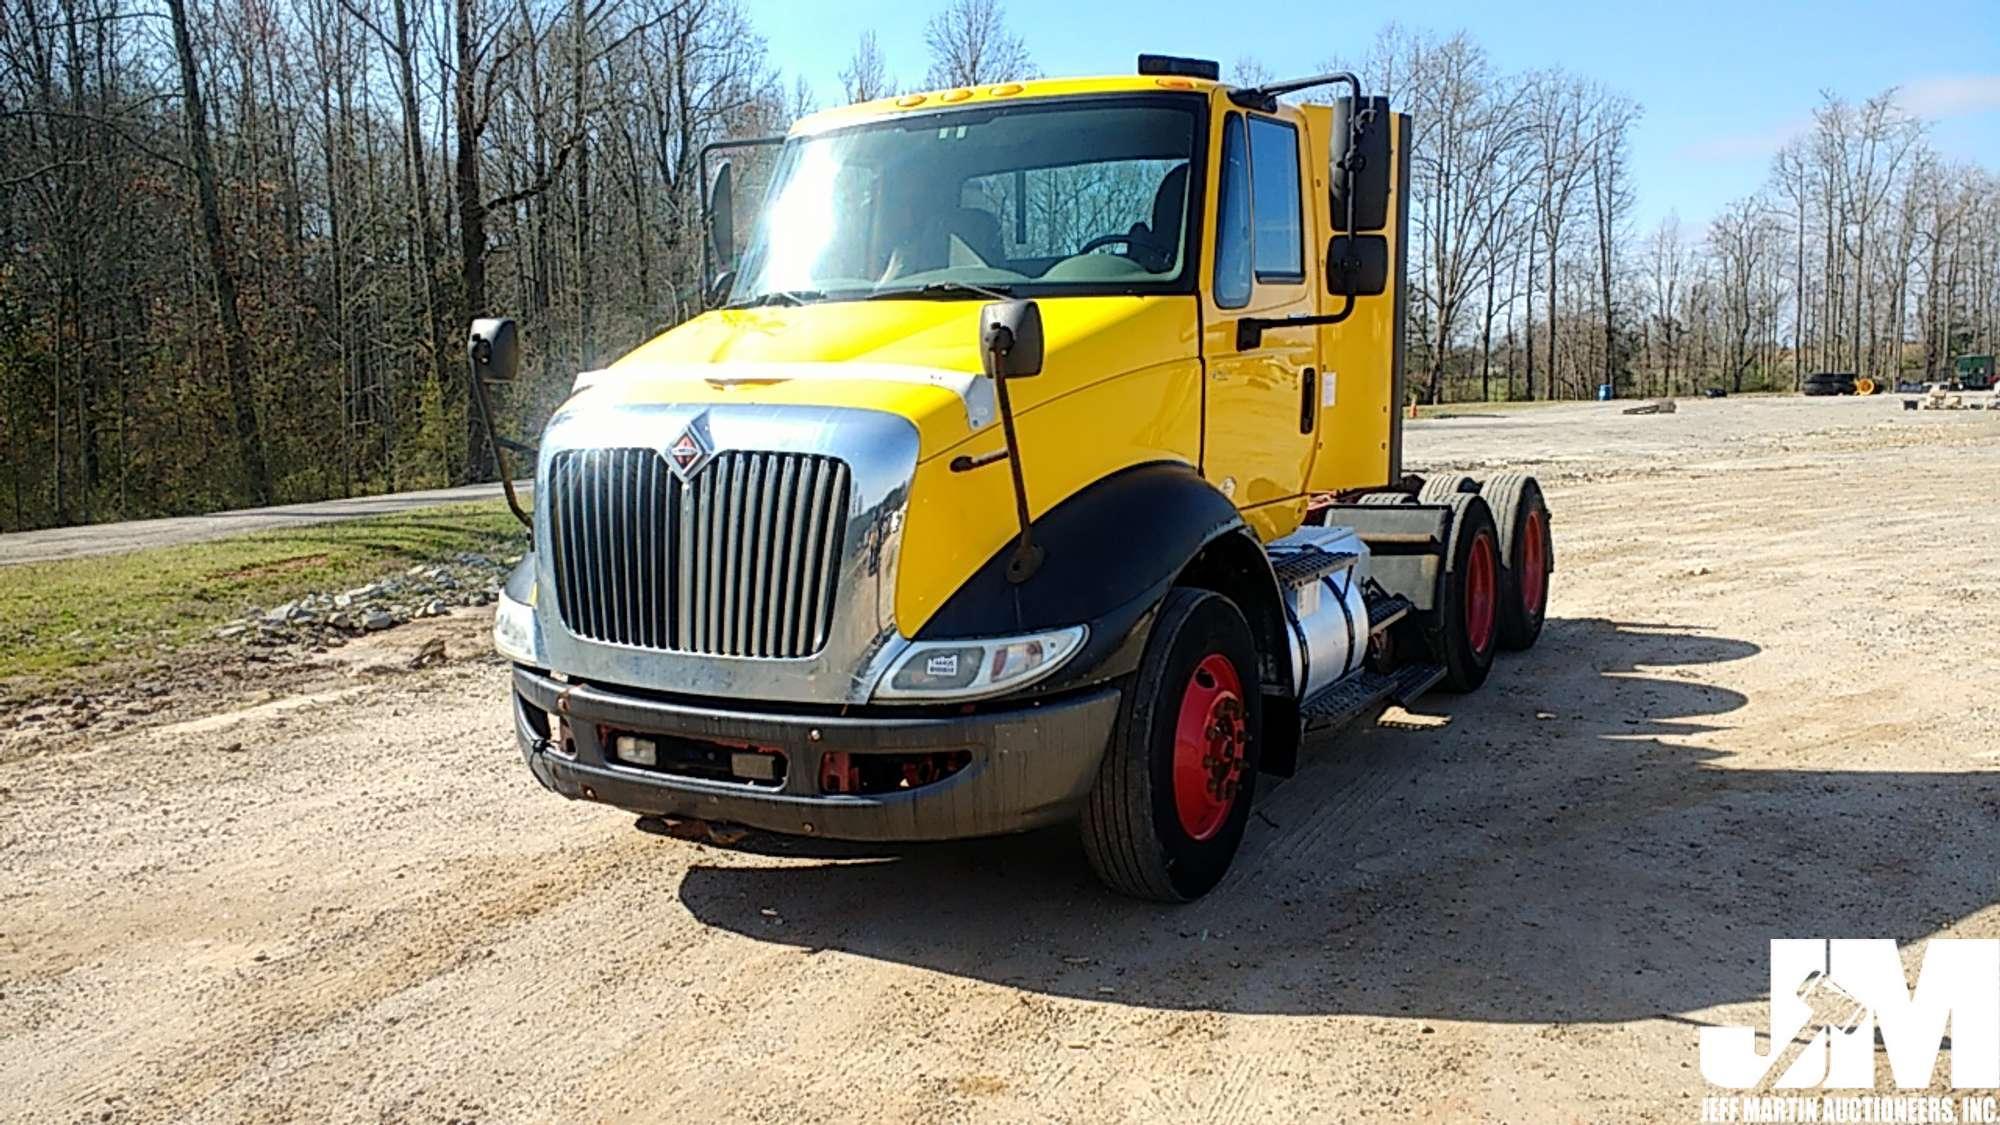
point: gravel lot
(1767, 704)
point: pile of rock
(327, 620)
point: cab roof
(950, 98)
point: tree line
(242, 240)
(1865, 251)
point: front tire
(1173, 792)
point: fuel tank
(1327, 613)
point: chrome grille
(739, 561)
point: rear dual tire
(1528, 548)
(1438, 489)
(1464, 626)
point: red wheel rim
(1479, 595)
(1210, 739)
(1534, 564)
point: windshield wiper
(947, 289)
(778, 297)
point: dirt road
(109, 538)
(1765, 705)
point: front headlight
(516, 633)
(974, 669)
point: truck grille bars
(741, 560)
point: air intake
(741, 560)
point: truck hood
(916, 358)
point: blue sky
(1723, 84)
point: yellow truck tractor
(1039, 462)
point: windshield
(1035, 198)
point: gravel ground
(1765, 705)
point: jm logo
(690, 451)
(1830, 999)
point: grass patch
(60, 619)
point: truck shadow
(1544, 850)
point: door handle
(1308, 400)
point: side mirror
(721, 219)
(1010, 339)
(1357, 265)
(1365, 185)
(496, 352)
(719, 287)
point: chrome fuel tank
(1327, 613)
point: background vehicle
(1973, 372)
(1827, 383)
(1042, 463)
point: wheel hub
(1211, 743)
(1481, 600)
(1534, 564)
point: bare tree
(1464, 182)
(1741, 239)
(1792, 180)
(866, 76)
(222, 273)
(970, 44)
(1667, 264)
(1562, 110)
(1249, 71)
(1611, 199)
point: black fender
(1110, 554)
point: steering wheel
(1134, 240)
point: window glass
(1081, 195)
(1232, 218)
(1052, 213)
(1274, 176)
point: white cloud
(1753, 142)
(1934, 98)
(1943, 96)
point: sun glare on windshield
(1024, 198)
(803, 218)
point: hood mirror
(494, 350)
(1010, 345)
(719, 287)
(1010, 339)
(720, 216)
